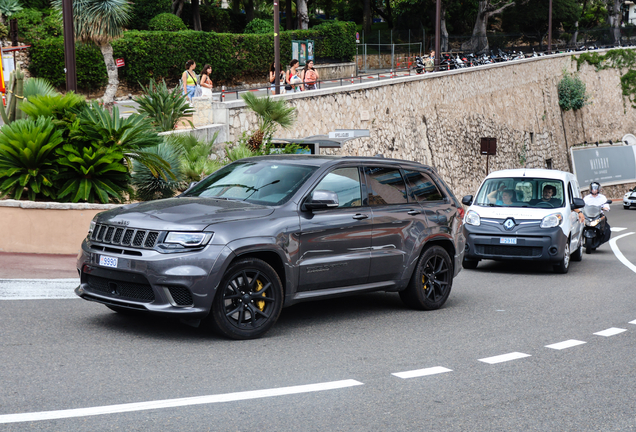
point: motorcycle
(419, 65)
(595, 232)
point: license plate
(507, 240)
(107, 261)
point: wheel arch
(272, 258)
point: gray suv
(267, 232)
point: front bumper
(629, 202)
(531, 242)
(177, 284)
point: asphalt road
(71, 365)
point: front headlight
(472, 218)
(91, 227)
(551, 221)
(592, 223)
(188, 239)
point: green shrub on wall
(259, 26)
(571, 93)
(162, 55)
(145, 10)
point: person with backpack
(310, 76)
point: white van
(525, 214)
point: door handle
(414, 212)
(360, 216)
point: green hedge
(162, 55)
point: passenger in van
(547, 197)
(495, 196)
(506, 198)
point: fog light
(553, 250)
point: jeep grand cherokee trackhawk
(267, 232)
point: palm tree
(270, 114)
(101, 22)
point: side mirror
(320, 200)
(577, 203)
(467, 200)
(608, 202)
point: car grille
(116, 288)
(129, 237)
(181, 295)
(521, 251)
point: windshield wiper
(254, 190)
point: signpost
(488, 147)
(120, 62)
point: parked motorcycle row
(450, 61)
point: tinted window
(346, 183)
(263, 182)
(385, 186)
(423, 187)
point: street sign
(489, 146)
(342, 134)
(120, 62)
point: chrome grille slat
(114, 235)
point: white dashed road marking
(565, 344)
(171, 403)
(37, 289)
(610, 332)
(504, 358)
(617, 229)
(632, 322)
(422, 372)
(619, 254)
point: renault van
(525, 214)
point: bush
(166, 22)
(144, 10)
(259, 26)
(149, 186)
(194, 156)
(34, 25)
(571, 93)
(232, 56)
(164, 107)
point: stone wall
(439, 118)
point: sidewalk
(37, 266)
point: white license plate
(107, 261)
(507, 240)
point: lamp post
(69, 45)
(438, 21)
(550, 29)
(276, 48)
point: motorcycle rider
(595, 197)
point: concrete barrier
(45, 227)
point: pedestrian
(206, 81)
(272, 80)
(310, 76)
(430, 62)
(189, 80)
(293, 78)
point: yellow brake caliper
(424, 286)
(260, 304)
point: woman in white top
(206, 81)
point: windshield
(591, 211)
(262, 182)
(521, 192)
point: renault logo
(509, 224)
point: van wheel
(578, 254)
(470, 264)
(248, 300)
(564, 265)
(431, 282)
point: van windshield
(521, 192)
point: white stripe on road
(565, 344)
(37, 289)
(617, 229)
(422, 372)
(504, 358)
(171, 403)
(632, 322)
(610, 332)
(619, 254)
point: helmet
(595, 187)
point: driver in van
(547, 197)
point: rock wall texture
(438, 119)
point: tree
(8, 8)
(303, 14)
(478, 42)
(614, 19)
(271, 113)
(100, 22)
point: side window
(385, 186)
(570, 194)
(345, 182)
(423, 186)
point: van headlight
(188, 239)
(551, 221)
(472, 218)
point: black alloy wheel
(248, 300)
(431, 282)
